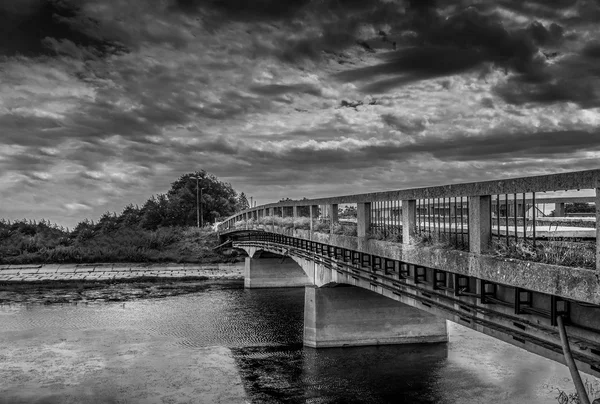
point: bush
(393, 234)
(165, 244)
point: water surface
(263, 330)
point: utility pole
(197, 204)
(199, 219)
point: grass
(591, 387)
(393, 234)
(345, 229)
(556, 251)
(443, 241)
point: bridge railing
(476, 217)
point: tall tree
(218, 198)
(242, 202)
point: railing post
(598, 224)
(480, 228)
(363, 219)
(409, 221)
(333, 216)
(312, 213)
(559, 209)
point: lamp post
(199, 218)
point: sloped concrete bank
(118, 272)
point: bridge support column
(598, 224)
(352, 316)
(480, 228)
(281, 272)
(363, 219)
(313, 214)
(333, 216)
(409, 221)
(559, 210)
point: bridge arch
(337, 310)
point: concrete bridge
(436, 254)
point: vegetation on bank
(158, 231)
(24, 242)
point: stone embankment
(119, 271)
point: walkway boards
(121, 271)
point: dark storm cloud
(450, 45)
(586, 10)
(279, 89)
(592, 50)
(576, 89)
(32, 159)
(43, 27)
(489, 147)
(409, 126)
(243, 9)
(413, 64)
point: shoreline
(117, 272)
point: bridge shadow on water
(374, 374)
(285, 371)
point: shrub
(321, 227)
(393, 234)
(302, 223)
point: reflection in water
(264, 329)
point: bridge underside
(506, 313)
(338, 315)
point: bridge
(487, 255)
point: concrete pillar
(409, 221)
(480, 230)
(559, 210)
(598, 224)
(295, 211)
(313, 214)
(333, 216)
(363, 218)
(282, 272)
(352, 316)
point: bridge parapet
(480, 218)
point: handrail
(553, 182)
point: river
(64, 353)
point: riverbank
(109, 272)
(85, 283)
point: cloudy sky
(106, 102)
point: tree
(217, 197)
(242, 202)
(579, 207)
